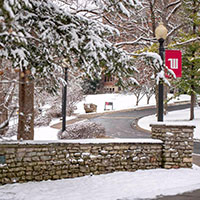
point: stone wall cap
(173, 124)
(83, 141)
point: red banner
(173, 60)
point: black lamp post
(64, 101)
(161, 35)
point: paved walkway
(196, 159)
(192, 195)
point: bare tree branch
(135, 42)
(173, 11)
(173, 3)
(186, 42)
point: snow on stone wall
(50, 161)
(171, 147)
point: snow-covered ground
(175, 117)
(118, 185)
(122, 101)
(126, 101)
(114, 186)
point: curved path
(123, 124)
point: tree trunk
(148, 99)
(3, 111)
(193, 96)
(137, 100)
(26, 107)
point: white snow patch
(132, 186)
(88, 141)
(179, 117)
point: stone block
(10, 150)
(58, 172)
(113, 152)
(38, 178)
(22, 150)
(124, 147)
(167, 166)
(108, 148)
(27, 159)
(168, 159)
(132, 147)
(187, 160)
(55, 177)
(188, 130)
(40, 154)
(175, 155)
(84, 169)
(45, 158)
(85, 148)
(116, 147)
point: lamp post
(161, 35)
(64, 101)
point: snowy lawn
(120, 101)
(114, 186)
(125, 101)
(118, 185)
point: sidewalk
(196, 159)
(192, 195)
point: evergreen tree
(38, 36)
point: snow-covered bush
(82, 130)
(42, 120)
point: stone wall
(31, 161)
(177, 144)
(171, 147)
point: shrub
(82, 130)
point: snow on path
(175, 117)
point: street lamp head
(161, 31)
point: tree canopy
(40, 36)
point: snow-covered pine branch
(41, 35)
(156, 62)
(156, 58)
(98, 9)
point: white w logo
(173, 63)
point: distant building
(109, 84)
